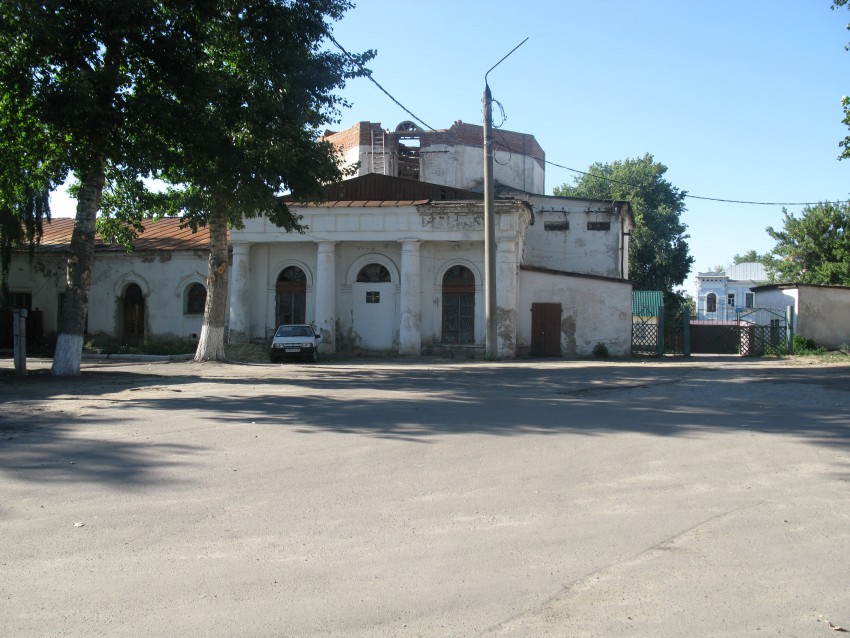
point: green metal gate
(662, 331)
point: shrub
(806, 346)
(600, 350)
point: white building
(390, 263)
(722, 295)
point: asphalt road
(389, 498)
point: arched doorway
(458, 306)
(374, 307)
(133, 315)
(291, 296)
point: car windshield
(294, 331)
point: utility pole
(489, 227)
(492, 346)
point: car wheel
(315, 356)
(274, 359)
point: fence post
(686, 327)
(661, 322)
(789, 328)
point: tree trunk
(211, 343)
(69, 344)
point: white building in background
(392, 261)
(722, 295)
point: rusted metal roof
(165, 234)
(386, 188)
(363, 204)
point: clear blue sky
(739, 99)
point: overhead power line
(688, 195)
(507, 148)
(375, 82)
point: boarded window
(598, 225)
(554, 226)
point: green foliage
(802, 345)
(845, 101)
(30, 167)
(162, 346)
(658, 250)
(222, 100)
(751, 256)
(813, 248)
(600, 350)
(258, 101)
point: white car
(296, 341)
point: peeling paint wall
(594, 310)
(163, 278)
(560, 238)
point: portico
(376, 268)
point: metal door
(545, 330)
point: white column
(325, 290)
(506, 296)
(240, 294)
(410, 330)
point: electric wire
(612, 180)
(375, 82)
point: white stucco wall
(449, 234)
(362, 325)
(458, 166)
(463, 167)
(824, 315)
(820, 312)
(163, 279)
(593, 310)
(576, 249)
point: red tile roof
(165, 234)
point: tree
(751, 256)
(813, 248)
(261, 101)
(30, 167)
(845, 101)
(156, 89)
(89, 76)
(658, 250)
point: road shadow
(419, 404)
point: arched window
(196, 299)
(711, 302)
(458, 305)
(291, 296)
(373, 273)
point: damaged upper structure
(393, 260)
(451, 157)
